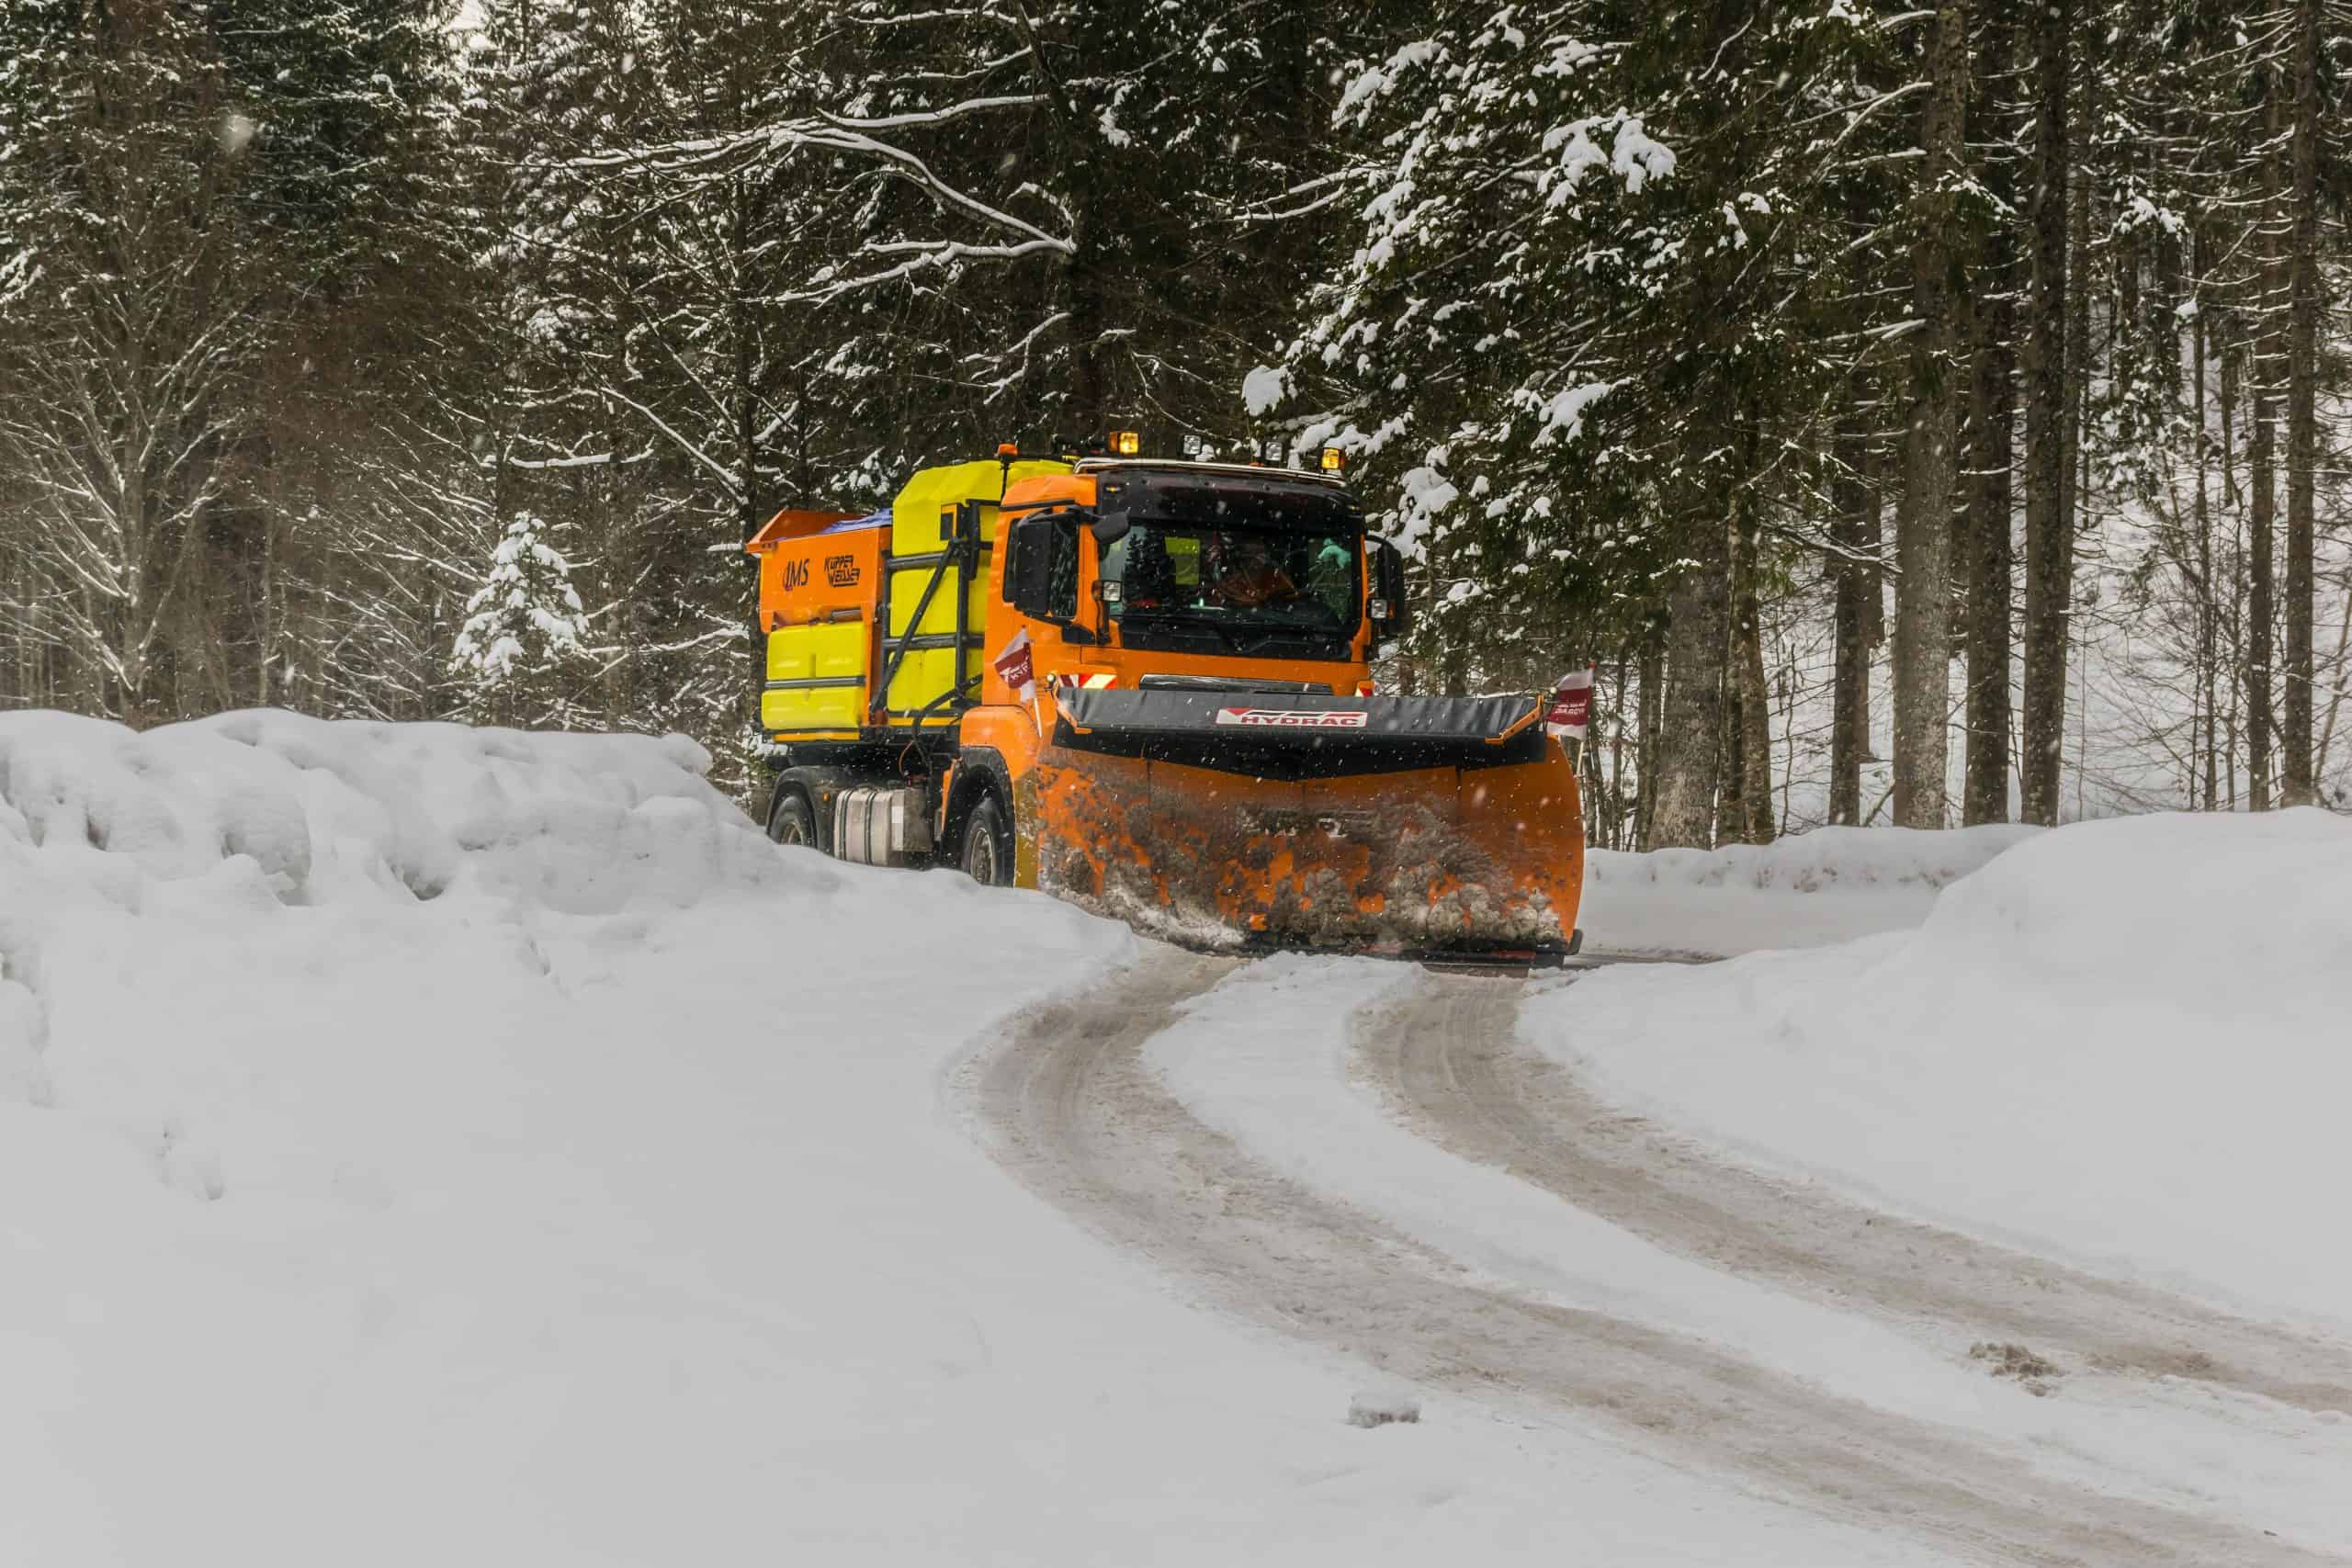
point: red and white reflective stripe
(1072, 680)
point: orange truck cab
(1145, 686)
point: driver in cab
(1243, 573)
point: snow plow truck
(1145, 686)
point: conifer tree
(524, 631)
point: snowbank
(1830, 884)
(335, 812)
(2126, 1040)
(208, 823)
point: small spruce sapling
(523, 627)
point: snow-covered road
(1451, 1058)
(1363, 1157)
(424, 1144)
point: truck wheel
(791, 821)
(986, 853)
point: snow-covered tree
(303, 302)
(525, 640)
(135, 327)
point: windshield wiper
(1225, 634)
(1307, 634)
(1242, 637)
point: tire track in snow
(1450, 1058)
(1070, 1108)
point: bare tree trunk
(2206, 609)
(1787, 698)
(1856, 584)
(2259, 610)
(2229, 608)
(2261, 511)
(1923, 518)
(2078, 299)
(24, 608)
(1990, 566)
(1653, 708)
(1690, 721)
(1992, 421)
(1731, 812)
(2049, 522)
(268, 595)
(1617, 813)
(2077, 492)
(744, 393)
(1753, 822)
(2302, 424)
(1756, 822)
(2334, 677)
(1088, 315)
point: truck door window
(1062, 586)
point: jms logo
(842, 570)
(796, 575)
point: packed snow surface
(1268, 1059)
(2125, 1041)
(428, 1144)
(1265, 1059)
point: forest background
(1928, 415)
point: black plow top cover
(1299, 735)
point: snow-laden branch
(935, 117)
(590, 460)
(726, 477)
(908, 18)
(723, 155)
(931, 254)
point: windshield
(1243, 588)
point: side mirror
(1390, 614)
(1029, 564)
(1109, 527)
(1041, 567)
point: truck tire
(986, 852)
(790, 820)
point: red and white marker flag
(1019, 671)
(1571, 706)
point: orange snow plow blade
(1415, 826)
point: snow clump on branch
(1262, 390)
